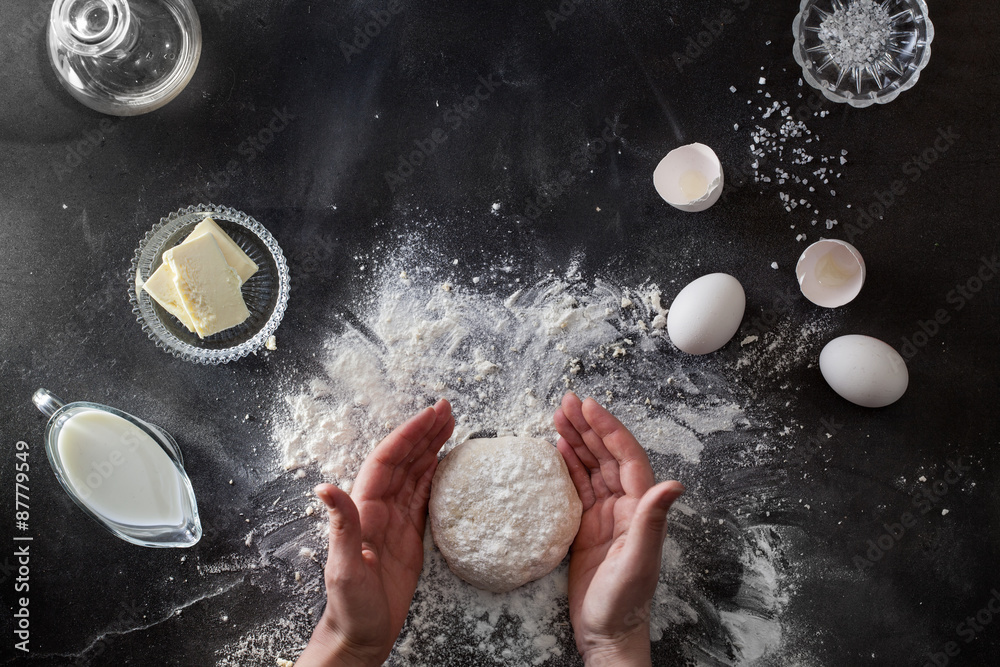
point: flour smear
(503, 353)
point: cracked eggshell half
(864, 370)
(830, 273)
(689, 178)
(706, 314)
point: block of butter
(161, 286)
(208, 287)
(241, 263)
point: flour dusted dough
(503, 511)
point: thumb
(644, 543)
(345, 525)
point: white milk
(119, 471)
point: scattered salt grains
(783, 138)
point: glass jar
(124, 57)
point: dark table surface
(78, 190)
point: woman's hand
(615, 559)
(376, 544)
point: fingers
(345, 528)
(424, 455)
(416, 503)
(398, 446)
(589, 446)
(635, 474)
(578, 473)
(644, 542)
(422, 470)
(388, 467)
(566, 426)
(604, 445)
(568, 430)
(583, 414)
(444, 425)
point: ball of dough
(503, 511)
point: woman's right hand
(615, 560)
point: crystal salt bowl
(862, 52)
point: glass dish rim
(845, 97)
(181, 349)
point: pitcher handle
(47, 402)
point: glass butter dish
(265, 293)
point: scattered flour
(756, 626)
(503, 363)
(504, 359)
(779, 345)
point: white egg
(706, 313)
(864, 370)
(830, 272)
(689, 178)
